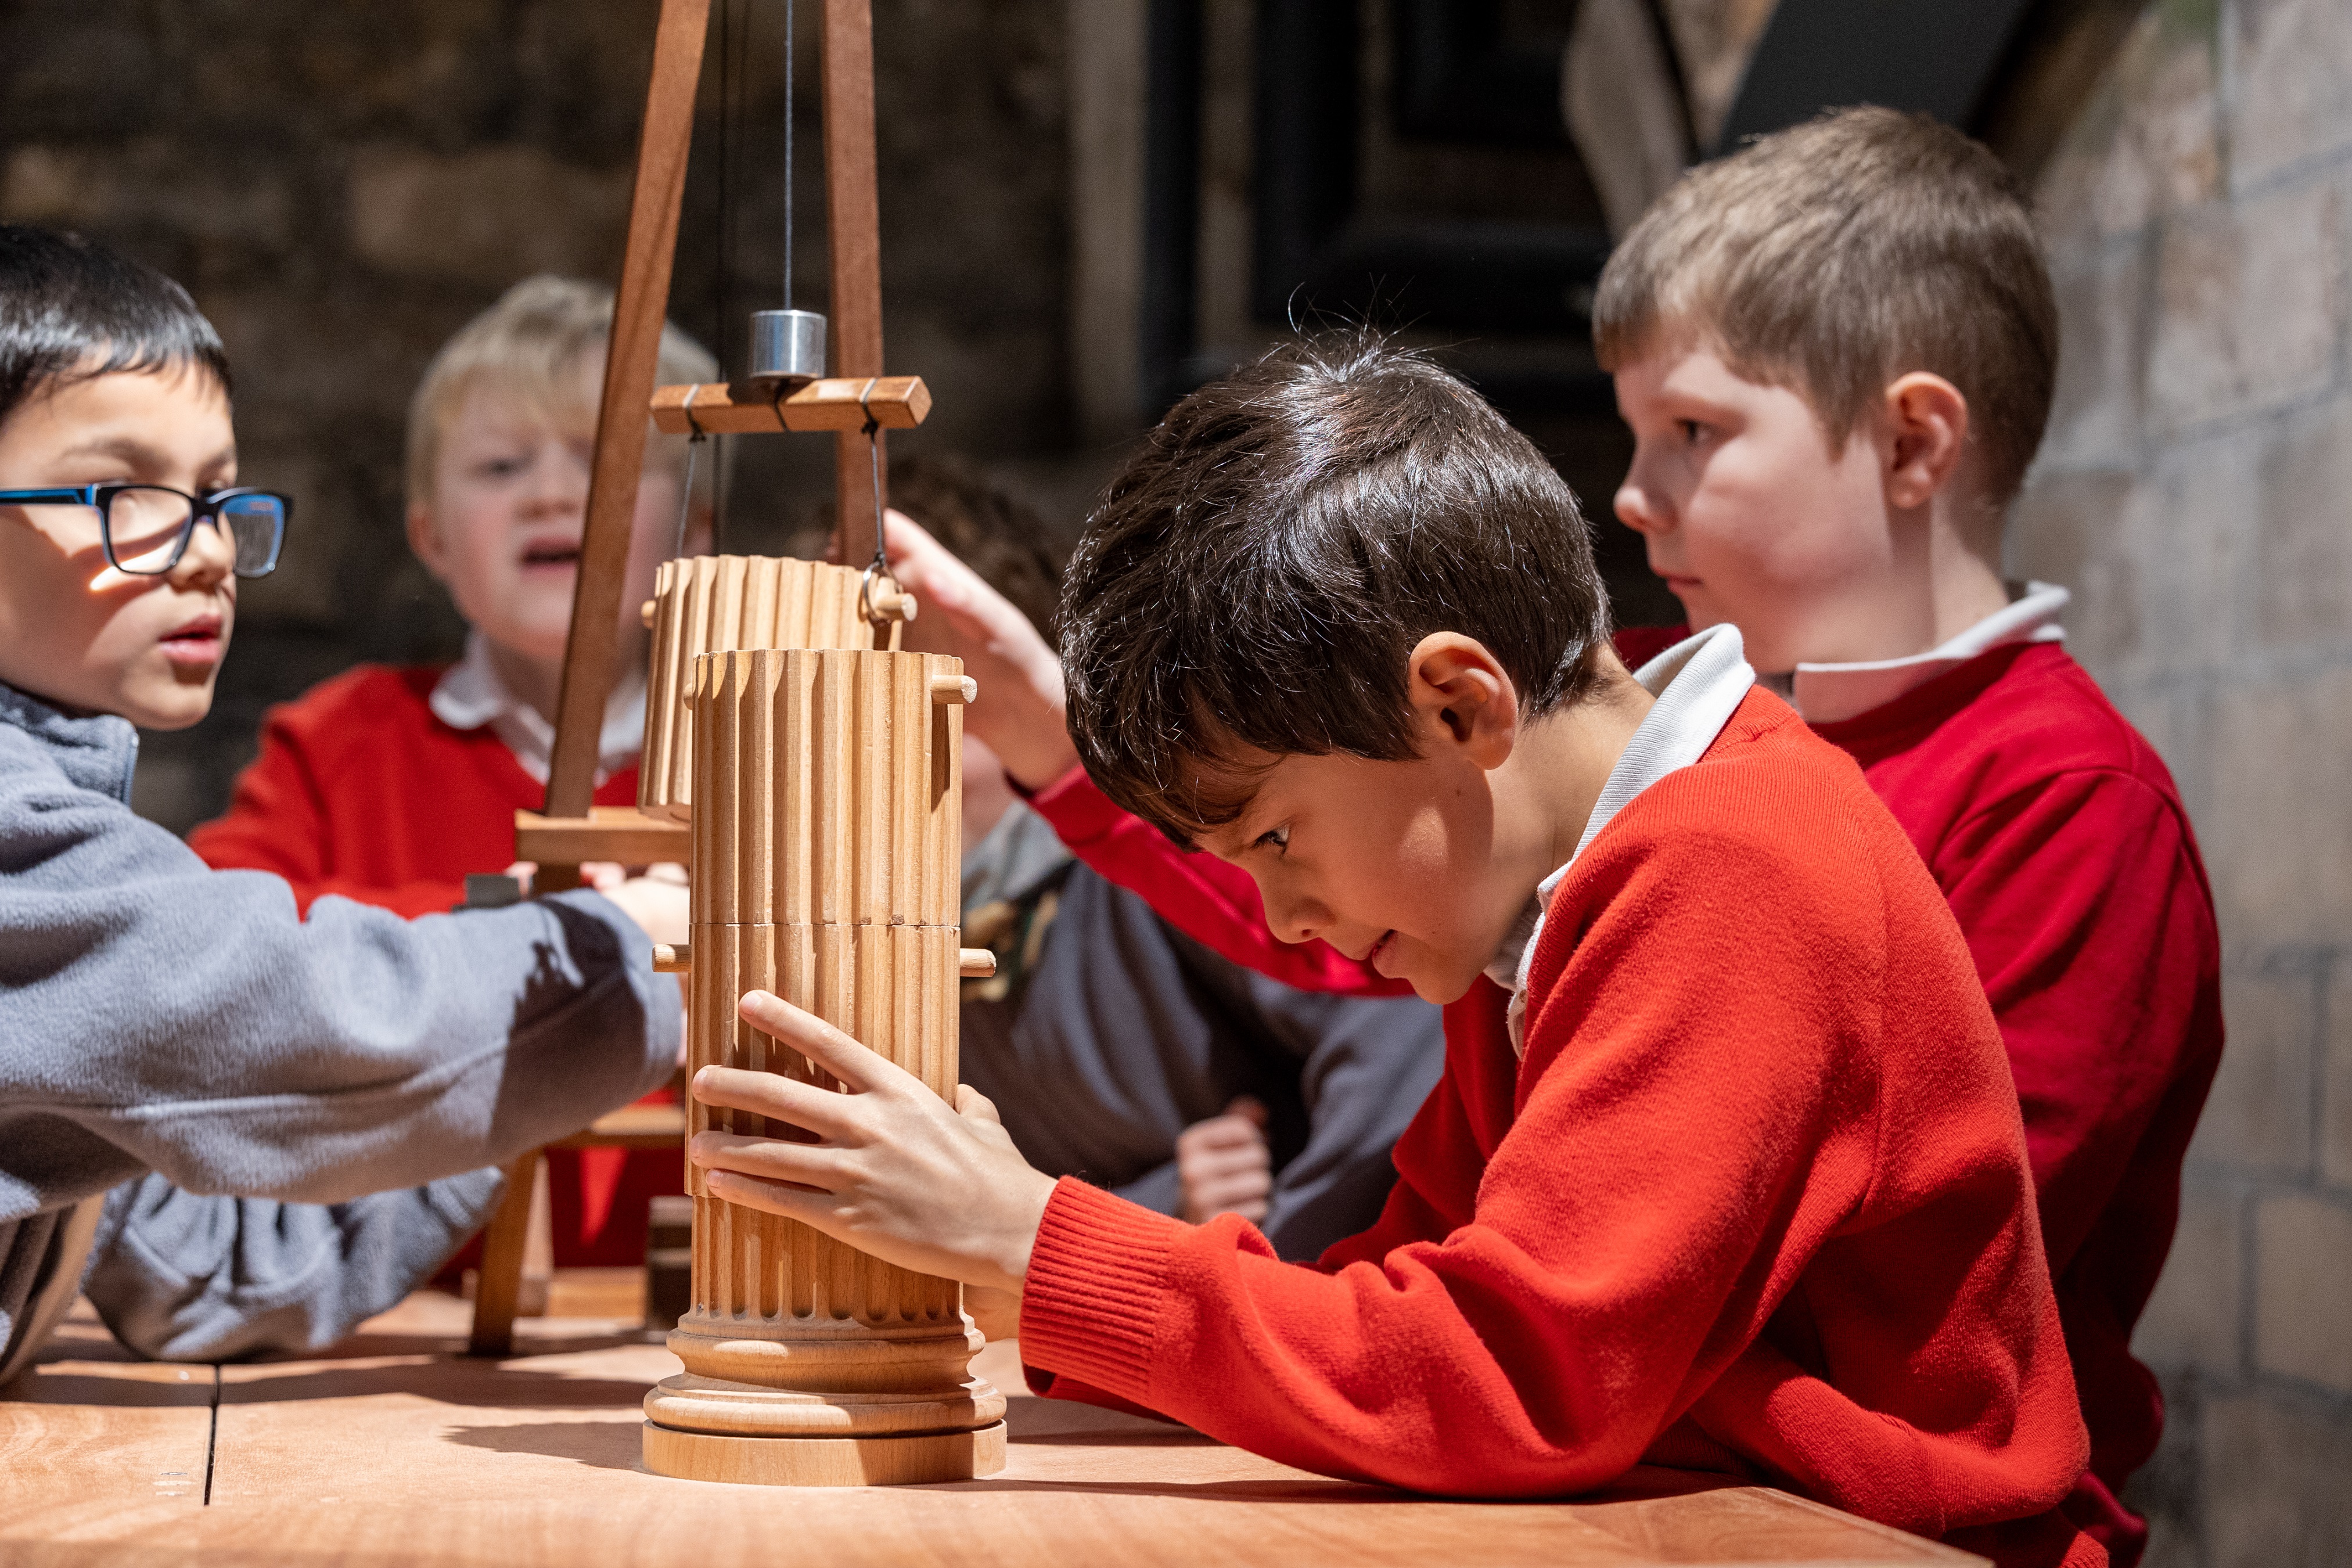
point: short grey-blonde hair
(532, 342)
(1838, 255)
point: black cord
(788, 154)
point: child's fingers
(1222, 1132)
(817, 1167)
(1215, 1165)
(863, 1070)
(1249, 1107)
(810, 1207)
(970, 1102)
(780, 1098)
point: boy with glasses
(166, 1031)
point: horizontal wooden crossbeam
(608, 833)
(837, 403)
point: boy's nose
(1292, 918)
(210, 556)
(1638, 512)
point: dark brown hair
(71, 309)
(1838, 255)
(1254, 582)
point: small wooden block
(608, 833)
(925, 1456)
(955, 689)
(975, 963)
(835, 403)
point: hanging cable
(685, 491)
(788, 154)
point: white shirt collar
(1698, 683)
(470, 694)
(1826, 693)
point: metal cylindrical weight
(787, 346)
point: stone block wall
(342, 186)
(2196, 491)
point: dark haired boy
(188, 1068)
(1118, 1048)
(1724, 1170)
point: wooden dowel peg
(972, 962)
(955, 689)
(673, 958)
(885, 601)
(645, 612)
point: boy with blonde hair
(390, 785)
(1836, 350)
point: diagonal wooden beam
(638, 311)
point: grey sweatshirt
(1112, 1032)
(268, 1092)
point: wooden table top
(397, 1449)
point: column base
(897, 1459)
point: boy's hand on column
(1223, 1166)
(1021, 714)
(895, 1171)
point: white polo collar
(1698, 683)
(470, 695)
(1827, 693)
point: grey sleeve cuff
(182, 1277)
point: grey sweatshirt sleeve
(183, 1278)
(1370, 1062)
(158, 1015)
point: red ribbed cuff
(1092, 1299)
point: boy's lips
(197, 643)
(1380, 949)
(550, 554)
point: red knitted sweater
(1755, 1201)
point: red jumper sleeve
(1679, 1144)
(278, 822)
(2088, 916)
(1214, 903)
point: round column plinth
(904, 1459)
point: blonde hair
(1838, 255)
(532, 344)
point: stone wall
(2194, 490)
(341, 186)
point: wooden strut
(569, 831)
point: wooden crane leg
(506, 1245)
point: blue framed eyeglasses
(145, 528)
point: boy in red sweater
(1724, 1170)
(1836, 351)
(390, 785)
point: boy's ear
(425, 541)
(1926, 435)
(1462, 696)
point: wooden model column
(826, 868)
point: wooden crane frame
(858, 402)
